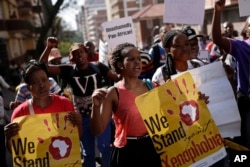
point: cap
(75, 46)
(54, 54)
(190, 33)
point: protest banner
(180, 125)
(119, 31)
(212, 80)
(178, 11)
(103, 52)
(46, 140)
(244, 7)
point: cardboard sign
(244, 7)
(180, 125)
(46, 140)
(184, 11)
(103, 52)
(119, 31)
(212, 80)
(204, 55)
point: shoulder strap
(117, 93)
(31, 109)
(148, 83)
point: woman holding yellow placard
(132, 145)
(42, 102)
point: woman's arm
(102, 107)
(10, 130)
(76, 119)
(51, 43)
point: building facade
(19, 24)
(147, 21)
(93, 13)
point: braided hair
(118, 55)
(168, 37)
(169, 68)
(31, 67)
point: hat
(145, 57)
(190, 33)
(54, 54)
(75, 46)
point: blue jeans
(103, 144)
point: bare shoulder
(113, 92)
(113, 96)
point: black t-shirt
(84, 82)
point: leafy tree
(66, 39)
(50, 23)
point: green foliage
(66, 38)
(64, 47)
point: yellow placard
(46, 140)
(180, 125)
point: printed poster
(46, 140)
(118, 31)
(180, 125)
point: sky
(68, 15)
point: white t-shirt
(158, 76)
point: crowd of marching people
(100, 99)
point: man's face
(194, 48)
(228, 29)
(80, 56)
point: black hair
(168, 37)
(169, 68)
(118, 55)
(31, 67)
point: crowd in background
(101, 94)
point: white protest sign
(184, 11)
(103, 52)
(119, 31)
(244, 7)
(204, 55)
(212, 80)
